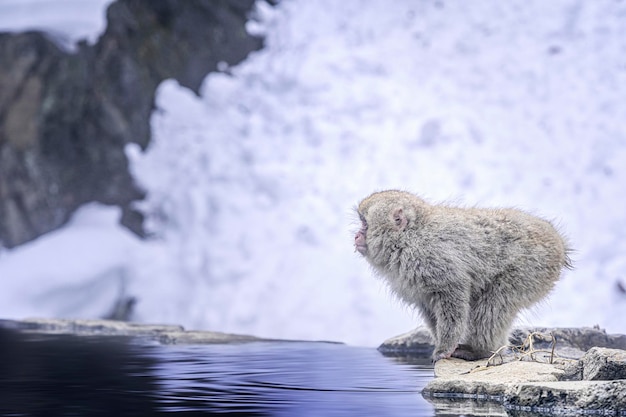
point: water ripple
(288, 379)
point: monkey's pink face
(360, 238)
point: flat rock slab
(525, 386)
(88, 327)
(474, 377)
(163, 334)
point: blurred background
(199, 162)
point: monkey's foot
(440, 354)
(466, 352)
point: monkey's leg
(451, 310)
(431, 322)
(490, 319)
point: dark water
(72, 376)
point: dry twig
(526, 351)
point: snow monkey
(469, 271)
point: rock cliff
(65, 117)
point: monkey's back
(509, 249)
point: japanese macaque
(469, 271)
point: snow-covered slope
(251, 186)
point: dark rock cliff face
(66, 117)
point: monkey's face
(377, 225)
(383, 219)
(360, 239)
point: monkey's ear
(399, 219)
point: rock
(65, 118)
(580, 338)
(88, 327)
(203, 338)
(576, 397)
(474, 378)
(572, 372)
(602, 364)
(160, 333)
(536, 387)
(416, 343)
(570, 342)
(122, 309)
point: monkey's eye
(363, 221)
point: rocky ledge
(570, 342)
(547, 371)
(163, 334)
(598, 388)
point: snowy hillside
(251, 186)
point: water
(74, 376)
(300, 379)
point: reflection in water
(76, 376)
(43, 375)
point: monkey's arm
(429, 319)
(450, 305)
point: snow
(65, 21)
(251, 185)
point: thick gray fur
(469, 271)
